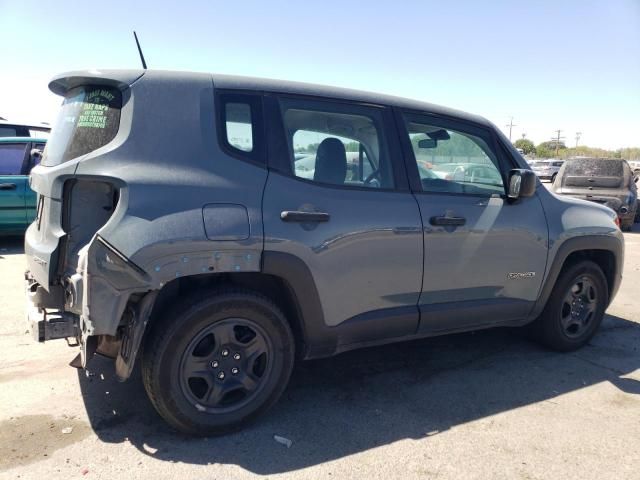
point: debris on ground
(283, 441)
(67, 430)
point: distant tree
(548, 149)
(352, 147)
(525, 145)
(630, 153)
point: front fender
(585, 243)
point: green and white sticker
(95, 108)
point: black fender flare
(577, 244)
(299, 280)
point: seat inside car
(331, 162)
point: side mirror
(522, 183)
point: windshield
(88, 119)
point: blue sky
(570, 65)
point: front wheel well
(605, 259)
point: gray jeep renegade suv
(218, 228)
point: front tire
(217, 360)
(575, 308)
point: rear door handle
(447, 221)
(303, 217)
(8, 186)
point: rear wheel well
(271, 286)
(605, 259)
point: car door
(12, 187)
(337, 200)
(485, 256)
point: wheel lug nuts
(236, 356)
(234, 371)
(225, 352)
(214, 364)
(221, 375)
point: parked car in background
(635, 166)
(11, 129)
(546, 169)
(606, 181)
(468, 172)
(18, 155)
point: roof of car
(39, 126)
(579, 159)
(299, 88)
(62, 82)
(22, 140)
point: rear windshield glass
(88, 119)
(594, 167)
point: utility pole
(578, 135)
(510, 125)
(557, 139)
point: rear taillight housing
(616, 220)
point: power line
(510, 125)
(557, 139)
(578, 135)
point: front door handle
(304, 217)
(8, 186)
(447, 221)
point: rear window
(88, 119)
(594, 167)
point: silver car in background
(546, 169)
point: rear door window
(88, 119)
(337, 144)
(12, 158)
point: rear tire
(217, 360)
(575, 309)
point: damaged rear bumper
(45, 316)
(88, 307)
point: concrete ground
(483, 405)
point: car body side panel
(367, 257)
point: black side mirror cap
(522, 183)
